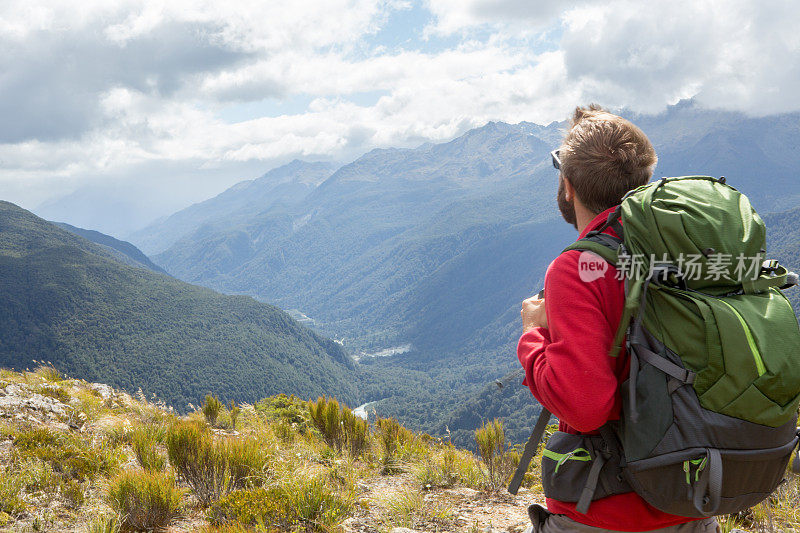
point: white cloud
(99, 88)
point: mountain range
(425, 253)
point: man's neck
(583, 217)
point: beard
(567, 208)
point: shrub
(144, 441)
(259, 506)
(67, 454)
(211, 468)
(356, 433)
(326, 416)
(499, 462)
(144, 500)
(246, 460)
(391, 436)
(290, 409)
(211, 408)
(300, 500)
(233, 412)
(197, 461)
(339, 427)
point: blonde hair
(604, 156)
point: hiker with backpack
(662, 343)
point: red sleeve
(567, 366)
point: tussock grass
(291, 465)
(145, 441)
(446, 466)
(301, 501)
(69, 455)
(146, 501)
(104, 524)
(48, 372)
(412, 509)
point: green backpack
(709, 414)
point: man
(568, 334)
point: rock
(105, 391)
(46, 404)
(13, 389)
(402, 530)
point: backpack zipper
(750, 340)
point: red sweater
(569, 370)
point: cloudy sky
(156, 104)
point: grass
(69, 455)
(145, 501)
(446, 466)
(303, 502)
(145, 441)
(412, 509)
(48, 372)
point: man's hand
(533, 314)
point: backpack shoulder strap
(602, 244)
(605, 245)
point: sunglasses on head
(556, 159)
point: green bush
(339, 427)
(145, 500)
(289, 409)
(233, 412)
(326, 416)
(144, 441)
(356, 433)
(213, 467)
(499, 461)
(67, 454)
(211, 408)
(191, 451)
(391, 436)
(299, 501)
(251, 507)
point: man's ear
(569, 190)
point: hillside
(79, 456)
(68, 301)
(284, 185)
(121, 250)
